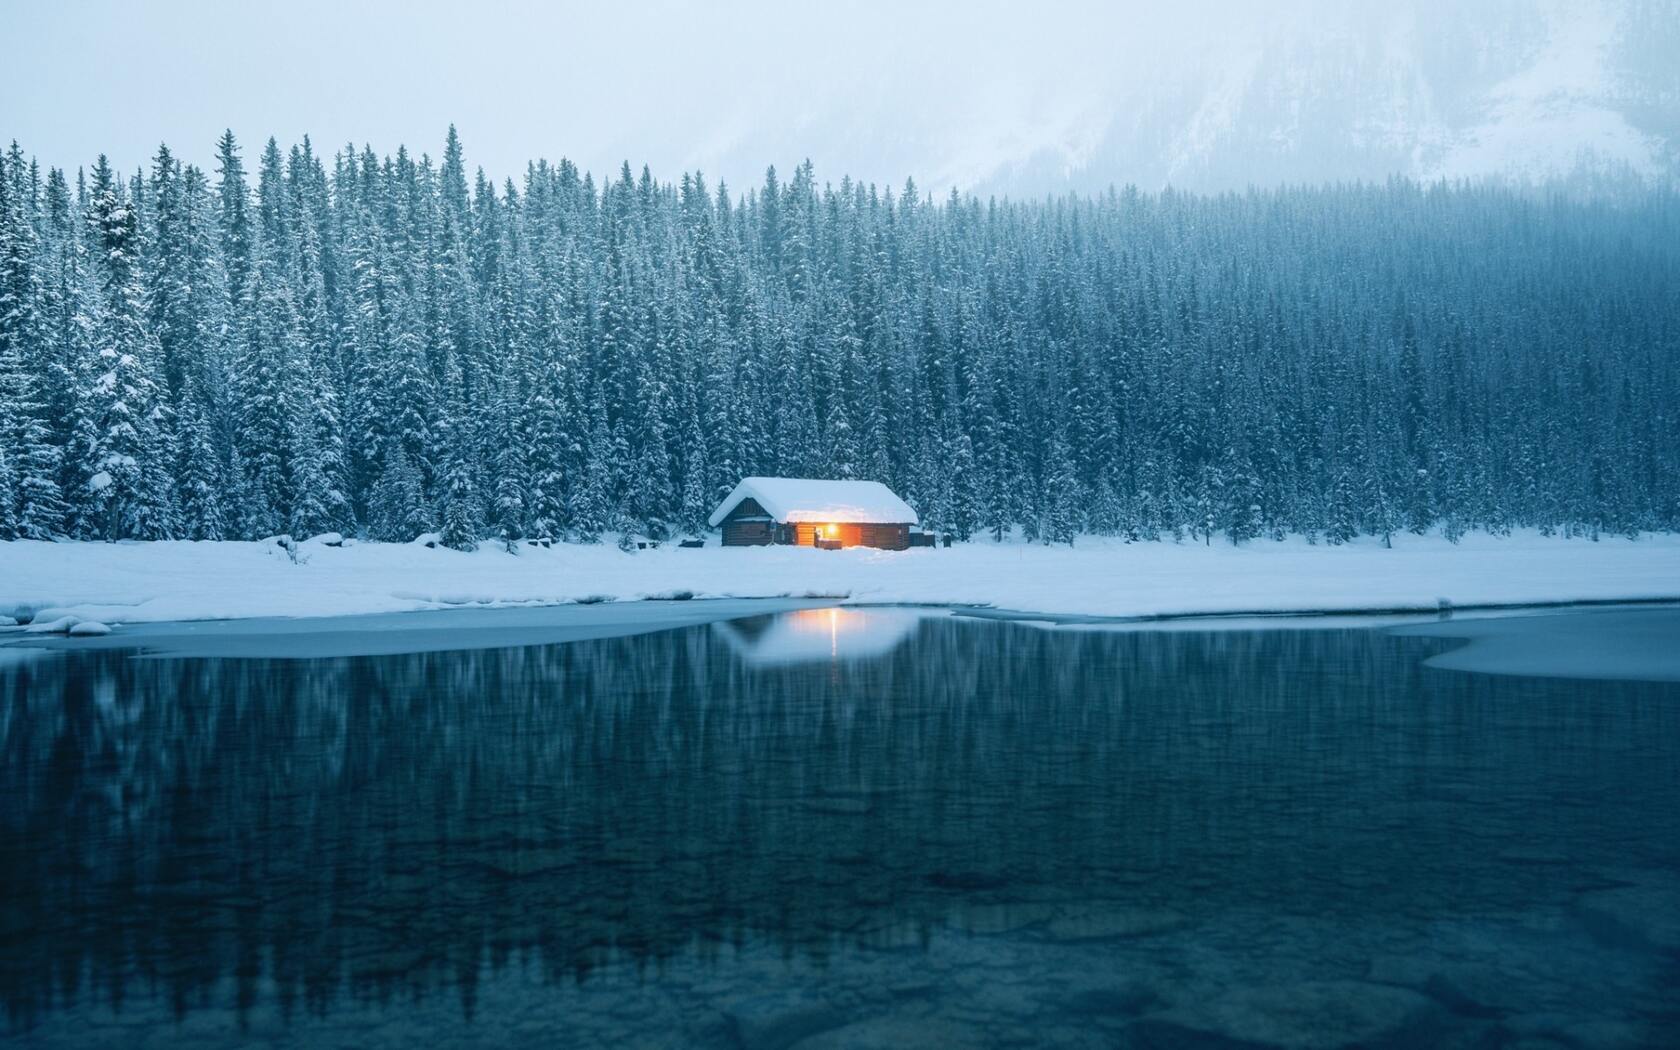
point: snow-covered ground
(126, 583)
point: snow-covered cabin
(813, 513)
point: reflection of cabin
(810, 513)
(818, 635)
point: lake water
(844, 828)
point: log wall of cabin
(747, 526)
(746, 533)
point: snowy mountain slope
(1516, 90)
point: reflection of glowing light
(831, 635)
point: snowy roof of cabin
(806, 499)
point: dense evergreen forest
(386, 346)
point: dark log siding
(746, 533)
(747, 525)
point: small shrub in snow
(669, 596)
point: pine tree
(1062, 501)
(201, 474)
(1343, 523)
(31, 507)
(127, 490)
(548, 443)
(965, 513)
(9, 525)
(696, 500)
(508, 509)
(590, 507)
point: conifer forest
(296, 341)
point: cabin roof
(812, 500)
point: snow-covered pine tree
(32, 507)
(962, 473)
(397, 508)
(201, 476)
(1062, 500)
(8, 498)
(511, 473)
(590, 507)
(1343, 522)
(124, 488)
(697, 500)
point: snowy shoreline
(130, 583)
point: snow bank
(151, 582)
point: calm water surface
(844, 828)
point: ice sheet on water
(383, 634)
(1625, 643)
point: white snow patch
(1558, 113)
(184, 580)
(57, 625)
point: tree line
(387, 347)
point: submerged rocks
(1004, 916)
(1312, 1015)
(1110, 921)
(1646, 915)
(1122, 1000)
(899, 1032)
(1466, 989)
(777, 1021)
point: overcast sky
(880, 90)
(974, 94)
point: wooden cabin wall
(746, 533)
(886, 537)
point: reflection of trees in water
(384, 825)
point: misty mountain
(1429, 90)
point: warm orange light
(830, 529)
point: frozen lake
(847, 827)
